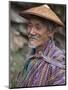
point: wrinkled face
(37, 33)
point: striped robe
(44, 70)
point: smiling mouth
(33, 38)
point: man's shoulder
(58, 53)
(55, 56)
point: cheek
(42, 32)
(28, 29)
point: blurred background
(18, 39)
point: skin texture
(38, 33)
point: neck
(41, 47)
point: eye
(38, 27)
(29, 25)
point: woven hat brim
(45, 13)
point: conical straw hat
(43, 11)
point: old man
(46, 63)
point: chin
(31, 45)
(34, 44)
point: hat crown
(46, 6)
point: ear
(51, 33)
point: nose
(33, 31)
